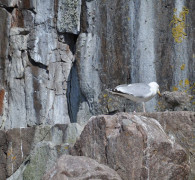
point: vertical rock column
(37, 54)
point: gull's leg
(144, 107)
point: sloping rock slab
(29, 152)
(80, 168)
(180, 127)
(136, 147)
(3, 149)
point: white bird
(138, 92)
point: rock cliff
(58, 58)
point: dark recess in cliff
(73, 94)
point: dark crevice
(70, 39)
(106, 150)
(8, 9)
(10, 58)
(74, 95)
(20, 78)
(38, 64)
(24, 33)
(27, 162)
(83, 17)
(32, 10)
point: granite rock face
(57, 60)
(36, 60)
(176, 101)
(180, 127)
(136, 147)
(80, 168)
(59, 57)
(124, 41)
(26, 153)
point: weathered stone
(27, 69)
(44, 13)
(176, 101)
(2, 95)
(28, 17)
(180, 127)
(28, 152)
(51, 144)
(19, 146)
(22, 4)
(134, 146)
(3, 150)
(42, 158)
(43, 43)
(114, 47)
(17, 18)
(27, 4)
(80, 168)
(68, 19)
(88, 65)
(9, 3)
(136, 44)
(5, 20)
(118, 41)
(58, 76)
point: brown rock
(80, 168)
(2, 94)
(136, 147)
(19, 142)
(179, 126)
(3, 150)
(17, 18)
(176, 101)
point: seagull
(137, 92)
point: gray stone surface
(60, 57)
(26, 153)
(180, 127)
(9, 3)
(176, 101)
(35, 67)
(68, 19)
(88, 63)
(4, 34)
(136, 147)
(3, 148)
(80, 168)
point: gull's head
(155, 87)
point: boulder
(179, 126)
(26, 153)
(176, 101)
(80, 168)
(136, 147)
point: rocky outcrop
(26, 153)
(80, 168)
(133, 41)
(176, 101)
(136, 147)
(36, 61)
(180, 127)
(3, 150)
(58, 57)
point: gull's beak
(159, 93)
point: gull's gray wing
(137, 89)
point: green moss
(37, 166)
